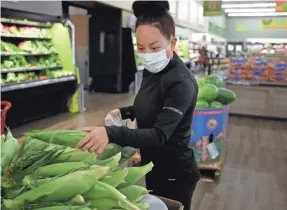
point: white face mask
(154, 62)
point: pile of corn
(45, 172)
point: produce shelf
(31, 84)
(30, 69)
(23, 37)
(25, 23)
(26, 54)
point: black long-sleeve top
(163, 109)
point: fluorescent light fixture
(250, 5)
(251, 10)
(257, 14)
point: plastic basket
(5, 106)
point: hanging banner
(274, 23)
(212, 8)
(215, 29)
(281, 5)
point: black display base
(38, 102)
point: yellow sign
(274, 23)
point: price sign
(212, 8)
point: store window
(193, 11)
(200, 15)
(182, 10)
(172, 5)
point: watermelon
(200, 104)
(208, 92)
(225, 96)
(216, 104)
(214, 79)
(200, 81)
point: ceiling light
(251, 10)
(265, 14)
(251, 5)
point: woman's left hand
(96, 141)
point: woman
(163, 109)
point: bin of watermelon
(210, 119)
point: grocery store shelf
(30, 69)
(140, 68)
(25, 23)
(23, 37)
(264, 84)
(31, 84)
(26, 54)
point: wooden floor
(255, 171)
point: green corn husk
(113, 149)
(75, 155)
(31, 155)
(77, 200)
(105, 204)
(102, 190)
(9, 150)
(68, 138)
(143, 205)
(134, 192)
(114, 178)
(135, 174)
(112, 162)
(64, 208)
(58, 169)
(11, 193)
(3, 138)
(60, 189)
(31, 182)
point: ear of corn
(68, 138)
(60, 189)
(143, 205)
(135, 174)
(58, 169)
(134, 192)
(32, 182)
(75, 155)
(102, 190)
(105, 204)
(9, 150)
(114, 178)
(112, 162)
(64, 208)
(3, 138)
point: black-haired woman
(163, 109)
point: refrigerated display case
(37, 71)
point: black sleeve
(127, 113)
(178, 98)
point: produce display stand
(209, 135)
(38, 74)
(260, 83)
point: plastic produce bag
(114, 120)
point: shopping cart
(5, 106)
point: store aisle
(256, 164)
(97, 105)
(254, 175)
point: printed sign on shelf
(281, 5)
